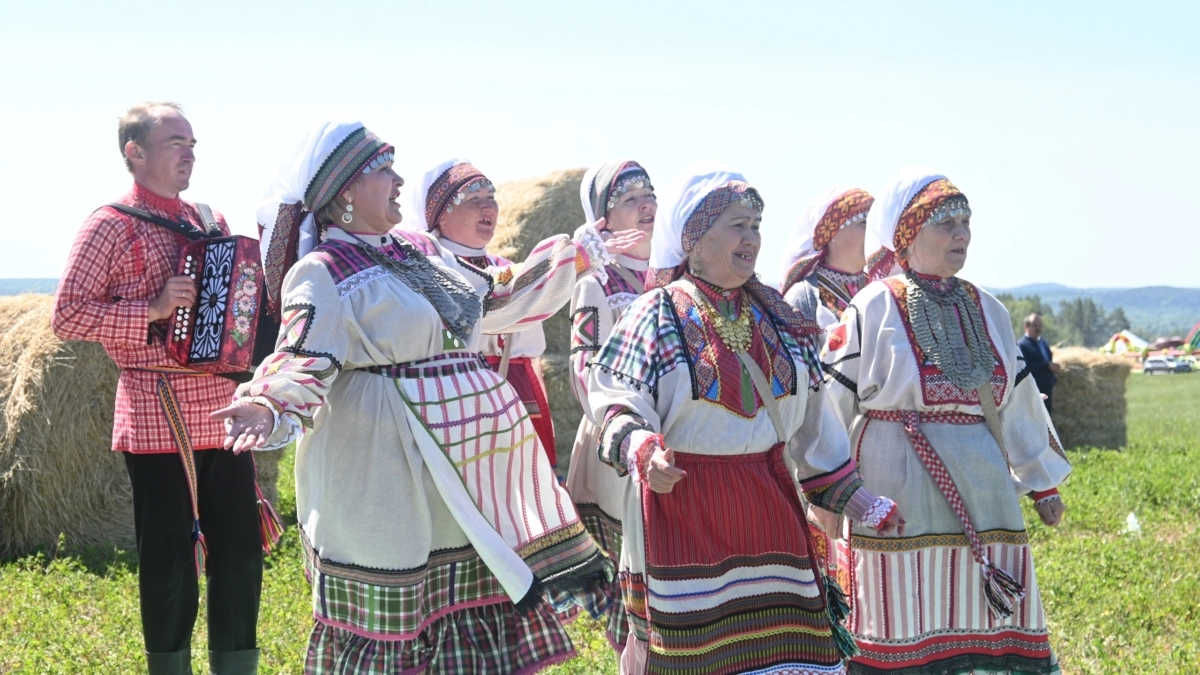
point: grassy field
(1118, 603)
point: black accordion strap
(180, 228)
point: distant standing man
(118, 289)
(1039, 359)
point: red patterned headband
(447, 188)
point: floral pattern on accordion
(245, 301)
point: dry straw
(57, 471)
(1089, 399)
(532, 210)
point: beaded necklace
(737, 333)
(949, 329)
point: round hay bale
(1089, 399)
(58, 473)
(530, 211)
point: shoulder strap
(757, 376)
(630, 278)
(505, 355)
(210, 223)
(992, 417)
(179, 228)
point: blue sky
(1073, 127)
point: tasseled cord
(1001, 589)
(200, 548)
(269, 526)
(839, 610)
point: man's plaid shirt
(117, 265)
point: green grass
(1118, 603)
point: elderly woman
(927, 376)
(825, 261)
(618, 195)
(456, 204)
(825, 268)
(429, 515)
(708, 388)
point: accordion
(217, 333)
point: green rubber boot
(170, 663)
(244, 662)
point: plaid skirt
(488, 639)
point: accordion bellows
(216, 335)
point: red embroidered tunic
(117, 266)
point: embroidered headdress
(603, 185)
(693, 204)
(443, 188)
(818, 225)
(915, 197)
(319, 169)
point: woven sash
(1000, 588)
(269, 526)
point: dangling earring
(347, 218)
(694, 266)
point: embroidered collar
(839, 276)
(373, 238)
(934, 283)
(153, 201)
(715, 293)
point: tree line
(1081, 321)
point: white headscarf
(885, 215)
(293, 177)
(414, 217)
(682, 197)
(801, 243)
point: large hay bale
(1089, 399)
(530, 211)
(58, 473)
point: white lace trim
(591, 241)
(619, 300)
(358, 280)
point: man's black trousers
(169, 590)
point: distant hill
(1153, 311)
(18, 286)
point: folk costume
(117, 266)
(809, 283)
(430, 518)
(515, 355)
(926, 375)
(598, 491)
(718, 575)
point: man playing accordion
(195, 507)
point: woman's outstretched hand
(247, 425)
(662, 474)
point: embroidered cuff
(867, 509)
(591, 253)
(284, 429)
(641, 446)
(615, 445)
(1045, 497)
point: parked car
(1165, 364)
